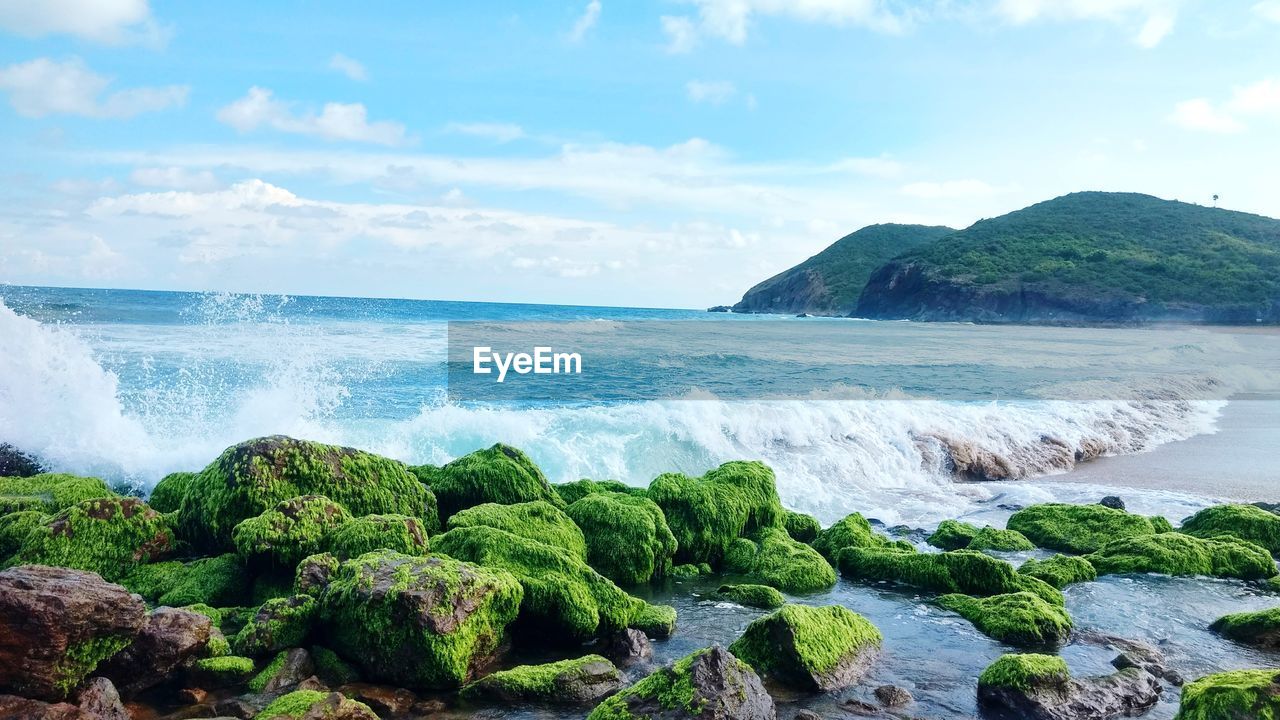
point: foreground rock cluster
(292, 579)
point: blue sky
(667, 153)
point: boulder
(710, 684)
(220, 581)
(989, 538)
(99, 700)
(961, 571)
(892, 696)
(773, 558)
(853, 531)
(628, 540)
(20, 708)
(583, 681)
(285, 671)
(1238, 695)
(1184, 555)
(292, 530)
(57, 625)
(255, 476)
(538, 520)
(220, 672)
(1112, 501)
(810, 648)
(953, 535)
(1060, 570)
(109, 536)
(1078, 529)
(801, 527)
(1260, 629)
(167, 495)
(1023, 619)
(572, 492)
(278, 624)
(755, 596)
(500, 474)
(708, 513)
(16, 464)
(1247, 522)
(315, 705)
(170, 638)
(1039, 687)
(628, 646)
(14, 528)
(398, 533)
(49, 492)
(418, 621)
(314, 572)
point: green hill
(1089, 257)
(830, 282)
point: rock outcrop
(710, 684)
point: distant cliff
(830, 282)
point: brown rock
(18, 708)
(99, 698)
(192, 696)
(893, 696)
(46, 612)
(170, 638)
(297, 666)
(382, 698)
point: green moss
(953, 535)
(1077, 529)
(537, 520)
(500, 474)
(1247, 522)
(1060, 570)
(294, 529)
(670, 688)
(418, 621)
(627, 537)
(799, 645)
(572, 492)
(110, 536)
(708, 513)
(300, 703)
(1178, 554)
(801, 527)
(255, 476)
(230, 669)
(315, 571)
(687, 571)
(774, 559)
(756, 596)
(213, 613)
(1021, 618)
(657, 621)
(399, 533)
(562, 594)
(278, 624)
(167, 495)
(989, 538)
(153, 580)
(218, 581)
(852, 531)
(961, 571)
(269, 585)
(218, 646)
(258, 682)
(1238, 695)
(49, 492)
(535, 683)
(81, 659)
(1251, 628)
(1161, 524)
(14, 528)
(1023, 672)
(331, 668)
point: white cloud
(498, 132)
(1268, 10)
(682, 34)
(590, 16)
(730, 20)
(713, 92)
(112, 22)
(336, 121)
(174, 178)
(1155, 19)
(350, 67)
(1261, 98)
(949, 189)
(1258, 100)
(42, 87)
(1200, 114)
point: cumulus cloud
(1154, 19)
(353, 69)
(111, 22)
(730, 20)
(682, 34)
(713, 92)
(335, 121)
(498, 132)
(1260, 100)
(43, 87)
(590, 16)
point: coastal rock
(16, 464)
(14, 528)
(398, 533)
(892, 696)
(315, 705)
(278, 624)
(773, 558)
(1247, 522)
(708, 513)
(99, 699)
(1078, 529)
(49, 492)
(801, 527)
(710, 684)
(1232, 695)
(167, 494)
(285, 671)
(852, 531)
(289, 532)
(574, 490)
(1039, 687)
(79, 619)
(628, 540)
(1112, 501)
(538, 520)
(420, 622)
(255, 476)
(169, 639)
(331, 668)
(756, 596)
(1133, 653)
(313, 574)
(956, 535)
(584, 681)
(1023, 619)
(219, 672)
(961, 571)
(628, 646)
(814, 649)
(382, 698)
(1060, 570)
(220, 581)
(1184, 555)
(1260, 629)
(12, 706)
(109, 536)
(500, 474)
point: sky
(655, 154)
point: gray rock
(297, 666)
(1113, 502)
(893, 696)
(99, 698)
(628, 646)
(724, 688)
(170, 638)
(20, 708)
(1125, 693)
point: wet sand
(1239, 462)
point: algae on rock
(1020, 618)
(708, 513)
(628, 540)
(810, 648)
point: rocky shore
(295, 580)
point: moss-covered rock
(773, 558)
(1024, 671)
(852, 531)
(217, 581)
(627, 537)
(166, 496)
(500, 474)
(989, 538)
(962, 571)
(418, 621)
(689, 571)
(257, 475)
(953, 535)
(1178, 554)
(49, 492)
(1060, 570)
(1261, 628)
(309, 704)
(572, 492)
(538, 520)
(331, 668)
(278, 624)
(1238, 695)
(1021, 618)
(1247, 522)
(292, 530)
(14, 528)
(398, 533)
(810, 648)
(708, 513)
(581, 681)
(756, 596)
(110, 536)
(562, 594)
(710, 684)
(222, 671)
(657, 621)
(800, 526)
(313, 574)
(1079, 529)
